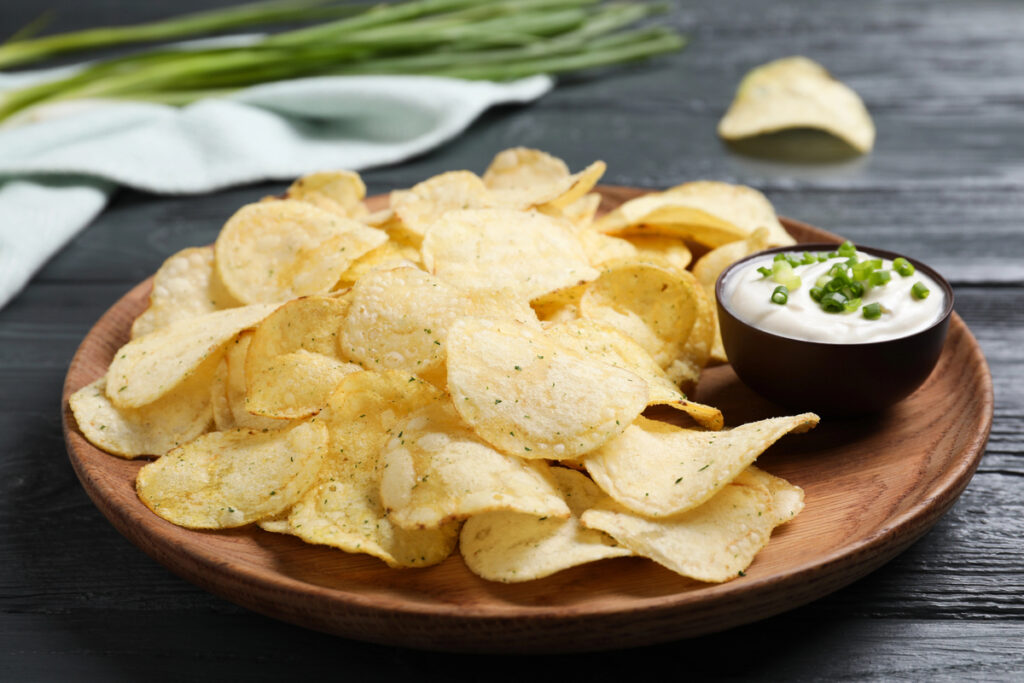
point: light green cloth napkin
(58, 167)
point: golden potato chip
(420, 206)
(223, 418)
(581, 213)
(181, 289)
(340, 192)
(343, 509)
(522, 178)
(228, 479)
(713, 542)
(527, 395)
(391, 254)
(658, 470)
(796, 92)
(275, 251)
(601, 248)
(787, 499)
(559, 305)
(512, 547)
(435, 469)
(597, 340)
(696, 350)
(661, 249)
(146, 368)
(237, 393)
(522, 167)
(527, 253)
(709, 212)
(710, 266)
(154, 429)
(653, 305)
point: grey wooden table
(945, 83)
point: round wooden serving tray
(873, 486)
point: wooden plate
(873, 486)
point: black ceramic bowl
(831, 378)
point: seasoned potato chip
(529, 396)
(709, 212)
(512, 547)
(343, 509)
(528, 254)
(787, 499)
(696, 350)
(554, 193)
(601, 248)
(661, 249)
(391, 254)
(275, 251)
(340, 192)
(654, 306)
(420, 206)
(181, 289)
(436, 470)
(522, 167)
(154, 429)
(559, 305)
(581, 213)
(237, 391)
(228, 479)
(147, 368)
(796, 92)
(223, 418)
(658, 470)
(713, 542)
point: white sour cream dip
(748, 295)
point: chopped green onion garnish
(919, 291)
(779, 257)
(822, 257)
(903, 267)
(816, 293)
(780, 295)
(872, 311)
(847, 249)
(833, 302)
(832, 254)
(808, 258)
(822, 281)
(852, 305)
(862, 270)
(856, 288)
(765, 271)
(880, 277)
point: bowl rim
(942, 319)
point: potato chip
(528, 396)
(710, 266)
(711, 213)
(228, 479)
(391, 254)
(236, 353)
(559, 305)
(341, 192)
(223, 418)
(597, 340)
(435, 469)
(787, 499)
(181, 289)
(601, 248)
(275, 251)
(147, 368)
(154, 429)
(661, 249)
(512, 547)
(526, 253)
(521, 178)
(696, 350)
(522, 167)
(796, 92)
(424, 203)
(654, 306)
(713, 542)
(658, 470)
(343, 509)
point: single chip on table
(653, 305)
(525, 253)
(279, 250)
(229, 479)
(435, 470)
(149, 367)
(659, 470)
(714, 542)
(796, 92)
(512, 547)
(340, 192)
(705, 211)
(182, 289)
(154, 429)
(343, 509)
(601, 341)
(423, 204)
(527, 395)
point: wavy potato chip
(147, 368)
(512, 547)
(182, 289)
(713, 542)
(343, 509)
(796, 92)
(154, 429)
(527, 395)
(340, 192)
(526, 253)
(435, 470)
(279, 250)
(659, 470)
(228, 479)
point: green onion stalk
(469, 39)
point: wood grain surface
(873, 486)
(945, 183)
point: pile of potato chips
(468, 367)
